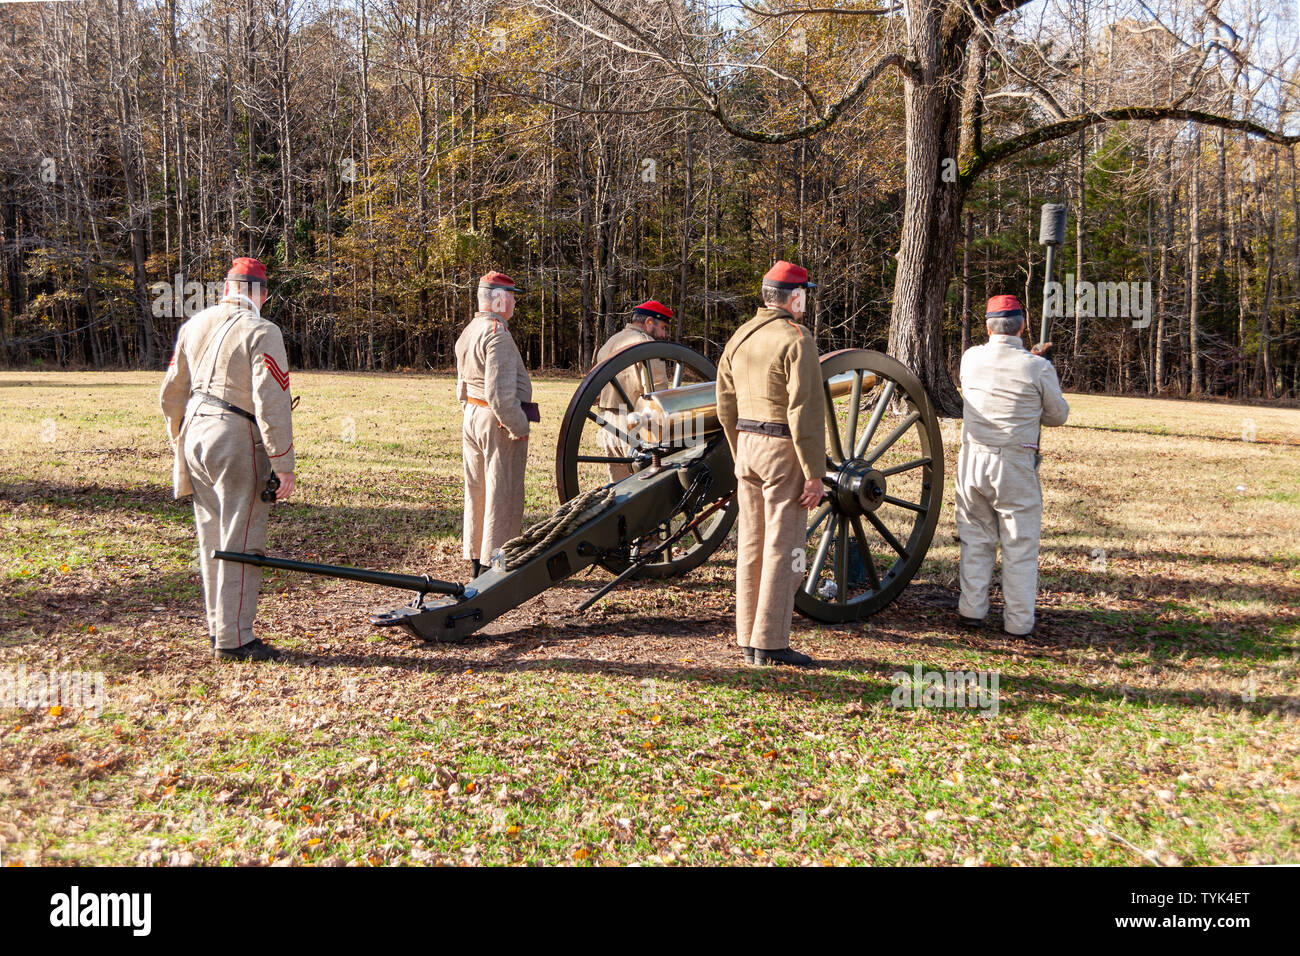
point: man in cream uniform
(649, 323)
(229, 419)
(1009, 393)
(496, 393)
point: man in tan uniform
(1008, 394)
(496, 394)
(229, 419)
(772, 409)
(649, 323)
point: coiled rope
(571, 514)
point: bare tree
(930, 52)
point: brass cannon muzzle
(682, 415)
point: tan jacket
(490, 368)
(233, 353)
(773, 375)
(632, 379)
(1008, 394)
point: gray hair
(775, 298)
(485, 295)
(247, 285)
(1004, 324)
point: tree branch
(1045, 134)
(828, 11)
(712, 97)
(828, 116)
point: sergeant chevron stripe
(277, 373)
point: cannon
(864, 542)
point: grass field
(1152, 719)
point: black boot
(254, 650)
(785, 655)
(475, 569)
(749, 654)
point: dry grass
(1154, 717)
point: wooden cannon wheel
(884, 479)
(582, 460)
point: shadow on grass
(923, 617)
(873, 681)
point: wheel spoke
(854, 402)
(622, 393)
(649, 370)
(865, 550)
(815, 571)
(886, 534)
(842, 563)
(899, 469)
(892, 437)
(677, 374)
(833, 426)
(882, 403)
(614, 430)
(817, 518)
(909, 505)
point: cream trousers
(999, 501)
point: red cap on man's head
(650, 309)
(498, 280)
(787, 275)
(1004, 306)
(246, 269)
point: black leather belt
(222, 403)
(771, 429)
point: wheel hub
(858, 488)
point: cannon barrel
(692, 410)
(413, 582)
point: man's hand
(813, 489)
(1043, 349)
(286, 485)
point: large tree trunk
(932, 207)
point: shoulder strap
(732, 354)
(224, 330)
